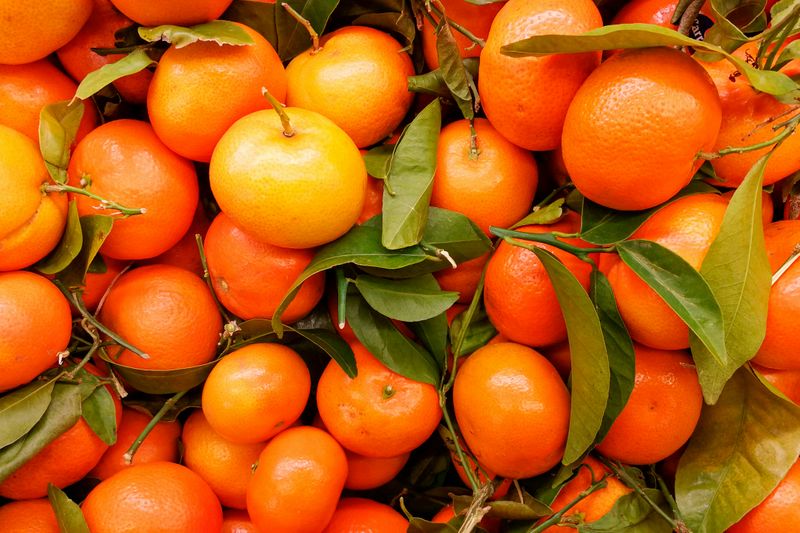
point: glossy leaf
(681, 287)
(513, 509)
(68, 513)
(94, 230)
(405, 212)
(742, 447)
(401, 24)
(101, 415)
(632, 514)
(293, 37)
(162, 381)
(68, 248)
(433, 82)
(132, 63)
(480, 331)
(789, 53)
(221, 32)
(22, 408)
(378, 161)
(738, 272)
(545, 215)
(58, 126)
(432, 333)
(258, 15)
(409, 300)
(590, 373)
(455, 76)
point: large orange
(634, 129)
(687, 227)
(476, 18)
(33, 31)
(297, 483)
(251, 277)
(165, 311)
(361, 514)
(295, 192)
(526, 98)
(213, 84)
(662, 411)
(379, 413)
(177, 12)
(778, 512)
(156, 497)
(36, 324)
(28, 516)
(513, 409)
(494, 187)
(123, 161)
(359, 65)
(31, 222)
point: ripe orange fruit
(777, 511)
(657, 12)
(165, 311)
(662, 411)
(656, 106)
(31, 32)
(161, 444)
(767, 206)
(476, 18)
(297, 483)
(237, 521)
(494, 188)
(251, 277)
(361, 514)
(215, 84)
(513, 409)
(177, 12)
(519, 298)
(526, 98)
(295, 192)
(36, 324)
(354, 64)
(124, 161)
(185, 253)
(559, 355)
(364, 473)
(31, 223)
(463, 279)
(28, 516)
(156, 497)
(687, 227)
(96, 284)
(379, 413)
(256, 392)
(786, 381)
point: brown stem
(315, 47)
(689, 16)
(288, 130)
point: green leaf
(742, 447)
(100, 414)
(58, 126)
(472, 329)
(543, 215)
(590, 372)
(513, 509)
(132, 63)
(632, 514)
(94, 230)
(221, 32)
(293, 38)
(162, 381)
(405, 212)
(738, 272)
(378, 160)
(383, 340)
(455, 76)
(401, 24)
(681, 287)
(724, 33)
(62, 413)
(68, 247)
(792, 51)
(22, 408)
(409, 300)
(433, 82)
(258, 15)
(433, 335)
(68, 514)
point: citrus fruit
(778, 510)
(28, 516)
(96, 284)
(237, 521)
(365, 473)
(185, 253)
(177, 12)
(463, 279)
(474, 17)
(659, 12)
(361, 514)
(786, 381)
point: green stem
(662, 486)
(789, 128)
(555, 192)
(169, 404)
(633, 484)
(556, 518)
(548, 238)
(459, 452)
(458, 27)
(771, 36)
(104, 204)
(341, 300)
(462, 334)
(779, 39)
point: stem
(548, 238)
(555, 192)
(680, 9)
(458, 27)
(689, 16)
(288, 130)
(476, 487)
(207, 277)
(104, 204)
(86, 358)
(476, 509)
(341, 292)
(169, 404)
(630, 482)
(662, 486)
(789, 128)
(315, 47)
(556, 518)
(473, 141)
(786, 265)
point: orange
(296, 192)
(476, 18)
(161, 444)
(212, 83)
(123, 161)
(256, 392)
(28, 516)
(78, 59)
(165, 311)
(463, 279)
(237, 521)
(494, 187)
(634, 129)
(226, 466)
(251, 277)
(185, 253)
(767, 207)
(779, 349)
(31, 221)
(786, 381)
(687, 227)
(526, 98)
(373, 201)
(177, 12)
(361, 514)
(379, 413)
(33, 31)
(659, 12)
(519, 298)
(156, 497)
(780, 509)
(365, 473)
(662, 411)
(594, 506)
(559, 355)
(513, 409)
(355, 65)
(36, 324)
(297, 483)
(96, 284)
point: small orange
(476, 18)
(96, 284)
(513, 409)
(786, 381)
(364, 473)
(28, 516)
(780, 509)
(256, 392)
(165, 311)
(559, 355)
(463, 279)
(379, 413)
(662, 411)
(185, 253)
(237, 521)
(361, 514)
(659, 12)
(297, 464)
(767, 206)
(177, 12)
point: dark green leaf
(132, 63)
(22, 408)
(742, 447)
(221, 32)
(408, 300)
(68, 248)
(432, 333)
(100, 413)
(401, 24)
(418, 525)
(512, 509)
(405, 212)
(588, 355)
(378, 160)
(94, 230)
(479, 333)
(258, 15)
(632, 514)
(293, 37)
(68, 514)
(433, 82)
(681, 287)
(162, 381)
(58, 125)
(455, 75)
(544, 215)
(790, 52)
